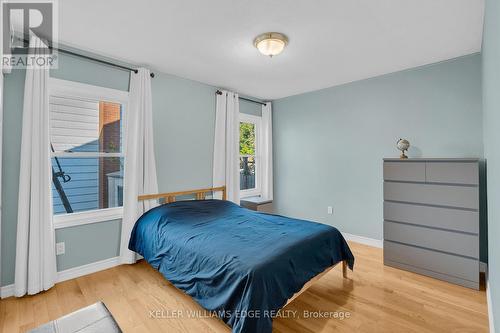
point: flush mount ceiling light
(270, 43)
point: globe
(403, 145)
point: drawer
(440, 195)
(448, 264)
(404, 171)
(447, 241)
(452, 173)
(446, 218)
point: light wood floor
(378, 298)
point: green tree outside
(247, 139)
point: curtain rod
(135, 70)
(218, 92)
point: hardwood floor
(377, 298)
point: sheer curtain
(267, 151)
(140, 167)
(35, 248)
(226, 168)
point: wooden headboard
(171, 197)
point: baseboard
(364, 240)
(491, 318)
(72, 273)
(75, 272)
(483, 267)
(7, 291)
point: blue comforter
(241, 264)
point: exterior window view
(247, 155)
(87, 160)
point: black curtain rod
(135, 70)
(218, 92)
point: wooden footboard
(316, 278)
(171, 196)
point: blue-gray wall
(491, 110)
(329, 144)
(184, 124)
(88, 243)
(250, 108)
(184, 115)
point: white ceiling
(331, 41)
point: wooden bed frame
(201, 195)
(171, 197)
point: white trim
(253, 192)
(364, 240)
(76, 272)
(491, 317)
(87, 217)
(72, 273)
(7, 291)
(483, 267)
(82, 91)
(85, 154)
(249, 118)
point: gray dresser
(431, 218)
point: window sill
(250, 193)
(89, 217)
(258, 200)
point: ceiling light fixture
(270, 43)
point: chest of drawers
(431, 218)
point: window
(87, 139)
(249, 155)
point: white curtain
(267, 151)
(226, 167)
(140, 167)
(35, 248)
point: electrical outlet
(330, 210)
(60, 248)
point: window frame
(82, 91)
(257, 121)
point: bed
(240, 264)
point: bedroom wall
(491, 109)
(184, 115)
(329, 144)
(250, 108)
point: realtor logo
(23, 21)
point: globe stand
(403, 156)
